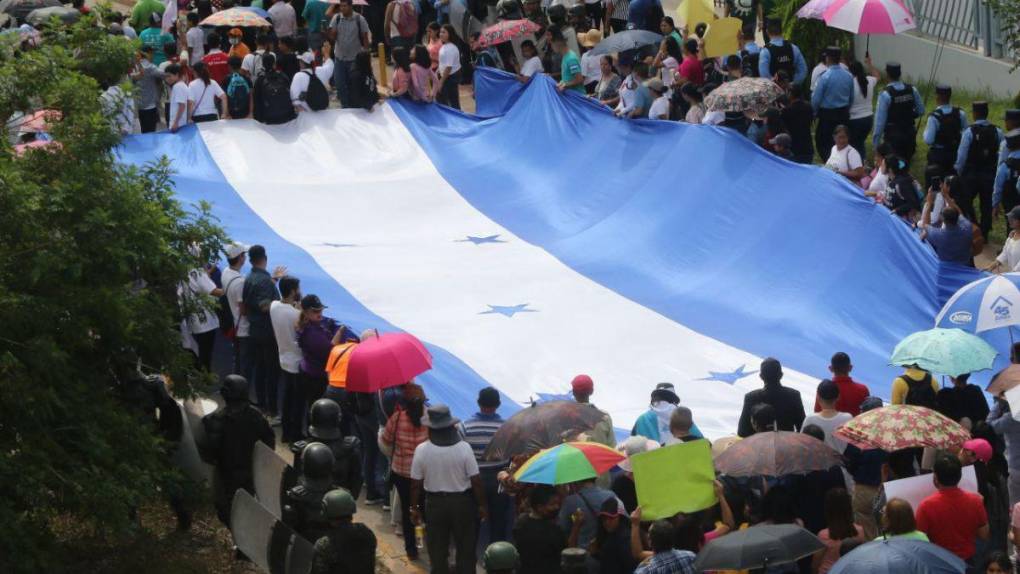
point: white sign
(1013, 398)
(917, 488)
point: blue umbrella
(626, 40)
(899, 556)
(259, 11)
(950, 352)
(983, 305)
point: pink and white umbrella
(815, 9)
(869, 16)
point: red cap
(582, 384)
(981, 449)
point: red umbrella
(505, 31)
(388, 360)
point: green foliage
(811, 36)
(91, 255)
(1008, 12)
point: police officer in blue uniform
(1005, 195)
(779, 54)
(831, 100)
(1011, 120)
(976, 164)
(899, 106)
(942, 134)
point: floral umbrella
(776, 453)
(568, 462)
(745, 94)
(507, 30)
(236, 17)
(894, 427)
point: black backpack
(223, 311)
(370, 95)
(317, 96)
(749, 64)
(275, 98)
(920, 393)
(984, 146)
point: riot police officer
(302, 507)
(899, 106)
(324, 420)
(347, 546)
(500, 558)
(942, 134)
(976, 162)
(231, 433)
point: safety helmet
(500, 556)
(324, 420)
(235, 388)
(338, 504)
(317, 460)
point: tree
(91, 256)
(1008, 12)
(811, 36)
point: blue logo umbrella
(985, 304)
(899, 556)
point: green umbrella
(950, 352)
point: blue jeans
(341, 80)
(373, 463)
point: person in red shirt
(216, 60)
(952, 518)
(690, 67)
(851, 393)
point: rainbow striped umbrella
(568, 462)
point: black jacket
(787, 403)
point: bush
(811, 36)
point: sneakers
(386, 506)
(375, 501)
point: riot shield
(186, 455)
(194, 410)
(462, 20)
(269, 543)
(272, 477)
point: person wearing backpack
(364, 93)
(307, 93)
(942, 134)
(239, 91)
(349, 33)
(252, 63)
(915, 387)
(976, 161)
(401, 23)
(1005, 190)
(272, 94)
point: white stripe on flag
(399, 235)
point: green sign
(676, 478)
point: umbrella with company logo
(983, 305)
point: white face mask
(235, 41)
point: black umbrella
(626, 40)
(41, 16)
(541, 426)
(19, 9)
(758, 547)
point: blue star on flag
(481, 240)
(508, 310)
(729, 378)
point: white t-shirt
(178, 95)
(449, 57)
(591, 69)
(284, 318)
(199, 283)
(830, 425)
(1010, 255)
(879, 183)
(298, 86)
(660, 107)
(627, 88)
(196, 44)
(713, 118)
(325, 72)
(119, 108)
(284, 19)
(249, 64)
(862, 107)
(204, 96)
(845, 159)
(444, 468)
(670, 67)
(233, 286)
(532, 66)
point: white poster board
(1013, 398)
(917, 488)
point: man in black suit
(786, 402)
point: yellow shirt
(900, 388)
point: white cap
(307, 58)
(235, 249)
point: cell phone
(936, 182)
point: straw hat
(589, 39)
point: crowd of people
(426, 466)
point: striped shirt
(621, 10)
(479, 430)
(405, 437)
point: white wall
(960, 67)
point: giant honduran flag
(551, 239)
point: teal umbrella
(950, 352)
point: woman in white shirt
(203, 94)
(179, 108)
(532, 63)
(448, 92)
(862, 108)
(844, 159)
(1009, 259)
(659, 109)
(691, 93)
(879, 179)
(668, 62)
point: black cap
(488, 398)
(665, 392)
(311, 302)
(943, 90)
(1012, 115)
(979, 107)
(833, 51)
(827, 390)
(893, 67)
(1013, 139)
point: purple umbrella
(815, 9)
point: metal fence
(968, 23)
